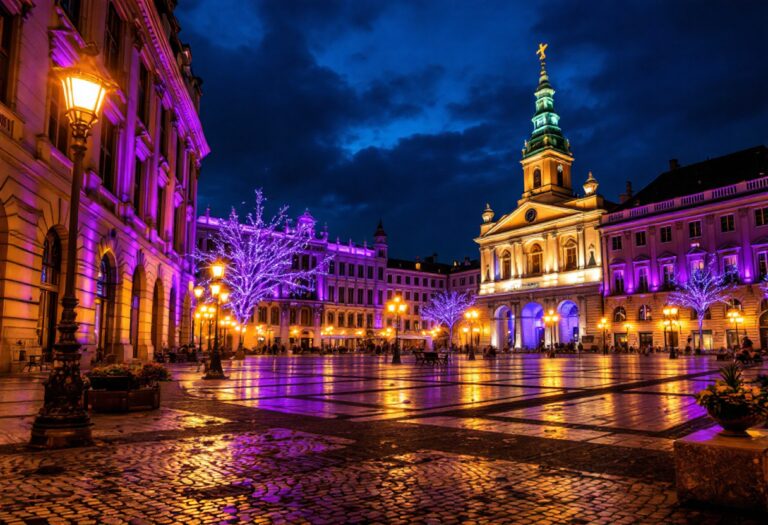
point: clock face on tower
(530, 215)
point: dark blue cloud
(415, 111)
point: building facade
(546, 253)
(714, 212)
(137, 212)
(347, 306)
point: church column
(582, 246)
(518, 325)
(555, 252)
(547, 255)
(582, 316)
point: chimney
(673, 164)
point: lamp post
(603, 326)
(215, 371)
(209, 317)
(736, 318)
(396, 307)
(471, 316)
(198, 292)
(670, 314)
(63, 420)
(199, 314)
(550, 319)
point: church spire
(546, 123)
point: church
(541, 262)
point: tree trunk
(701, 330)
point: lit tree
(703, 289)
(263, 258)
(447, 308)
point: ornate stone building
(712, 212)
(140, 184)
(545, 254)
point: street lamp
(396, 307)
(471, 316)
(199, 314)
(736, 318)
(603, 327)
(550, 319)
(670, 314)
(63, 420)
(198, 291)
(220, 296)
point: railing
(687, 200)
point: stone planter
(111, 401)
(112, 383)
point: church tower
(547, 154)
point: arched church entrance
(504, 328)
(569, 322)
(532, 326)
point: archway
(172, 318)
(157, 316)
(532, 326)
(569, 322)
(504, 328)
(137, 288)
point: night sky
(415, 111)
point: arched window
(305, 317)
(734, 303)
(331, 318)
(560, 175)
(263, 314)
(105, 306)
(506, 265)
(341, 319)
(619, 314)
(569, 251)
(350, 320)
(707, 314)
(535, 256)
(645, 313)
(49, 293)
(536, 178)
(135, 310)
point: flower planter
(736, 424)
(112, 383)
(112, 401)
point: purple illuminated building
(140, 184)
(717, 211)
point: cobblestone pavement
(355, 440)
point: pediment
(531, 214)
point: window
(642, 279)
(762, 265)
(399, 279)
(730, 264)
(360, 271)
(416, 309)
(359, 320)
(432, 283)
(415, 281)
(640, 239)
(644, 314)
(331, 293)
(619, 314)
(331, 267)
(351, 320)
(107, 155)
(389, 295)
(330, 318)
(160, 216)
(761, 217)
(292, 316)
(142, 105)
(616, 242)
(58, 125)
(360, 293)
(666, 233)
(72, 9)
(263, 314)
(49, 296)
(389, 279)
(407, 324)
(697, 265)
(381, 274)
(618, 281)
(138, 182)
(180, 148)
(163, 142)
(407, 296)
(351, 295)
(506, 266)
(274, 316)
(536, 178)
(342, 269)
(727, 223)
(570, 255)
(424, 297)
(351, 270)
(694, 229)
(370, 272)
(369, 296)
(668, 276)
(534, 260)
(112, 36)
(7, 24)
(341, 319)
(560, 175)
(408, 279)
(342, 295)
(369, 321)
(462, 281)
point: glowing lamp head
(224, 295)
(198, 290)
(198, 315)
(215, 289)
(84, 95)
(217, 270)
(391, 307)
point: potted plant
(119, 388)
(151, 373)
(734, 404)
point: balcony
(725, 192)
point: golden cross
(540, 52)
